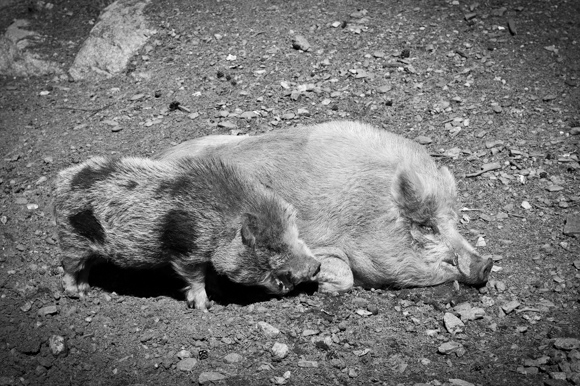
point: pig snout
(479, 270)
(298, 270)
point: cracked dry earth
(489, 87)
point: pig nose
(485, 270)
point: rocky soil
(489, 87)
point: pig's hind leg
(194, 275)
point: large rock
(119, 33)
(16, 59)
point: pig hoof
(71, 289)
(197, 300)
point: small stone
(280, 350)
(510, 306)
(307, 364)
(497, 109)
(48, 310)
(575, 131)
(210, 376)
(268, 329)
(500, 286)
(466, 312)
(136, 97)
(186, 364)
(449, 347)
(469, 16)
(248, 115)
(233, 358)
(460, 382)
(512, 27)
(299, 42)
(184, 354)
(227, 125)
(567, 343)
(302, 111)
(572, 226)
(309, 332)
(423, 140)
(452, 323)
(147, 336)
(526, 205)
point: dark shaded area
(86, 224)
(88, 176)
(178, 232)
(163, 281)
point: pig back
(338, 175)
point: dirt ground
(478, 82)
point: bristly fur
(189, 212)
(378, 200)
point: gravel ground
(489, 87)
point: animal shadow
(163, 281)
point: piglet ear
(250, 228)
(448, 180)
(410, 196)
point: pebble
(233, 358)
(147, 336)
(268, 329)
(184, 354)
(248, 115)
(309, 364)
(48, 310)
(186, 364)
(452, 323)
(309, 332)
(510, 306)
(567, 343)
(466, 312)
(572, 226)
(299, 42)
(280, 350)
(423, 140)
(210, 376)
(450, 347)
(227, 125)
(460, 382)
(57, 345)
(302, 111)
(526, 205)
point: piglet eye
(427, 229)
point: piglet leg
(194, 275)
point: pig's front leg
(194, 275)
(335, 274)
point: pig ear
(250, 227)
(409, 194)
(448, 180)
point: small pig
(187, 213)
(373, 206)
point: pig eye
(427, 229)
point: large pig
(373, 206)
(188, 213)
